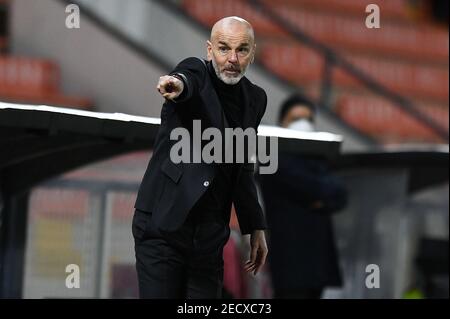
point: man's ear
(254, 52)
(208, 50)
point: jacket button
(206, 183)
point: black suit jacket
(170, 190)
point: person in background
(299, 201)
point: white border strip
(110, 116)
(263, 130)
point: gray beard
(225, 79)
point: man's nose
(233, 58)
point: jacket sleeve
(248, 209)
(192, 71)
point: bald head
(232, 25)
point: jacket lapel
(249, 114)
(217, 114)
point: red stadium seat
(404, 40)
(34, 81)
(378, 117)
(408, 58)
(302, 66)
(341, 31)
(391, 9)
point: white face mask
(303, 125)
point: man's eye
(223, 49)
(243, 50)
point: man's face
(297, 112)
(231, 50)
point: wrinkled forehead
(233, 33)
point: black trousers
(184, 264)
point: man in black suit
(299, 200)
(182, 211)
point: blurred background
(384, 90)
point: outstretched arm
(184, 81)
(170, 87)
